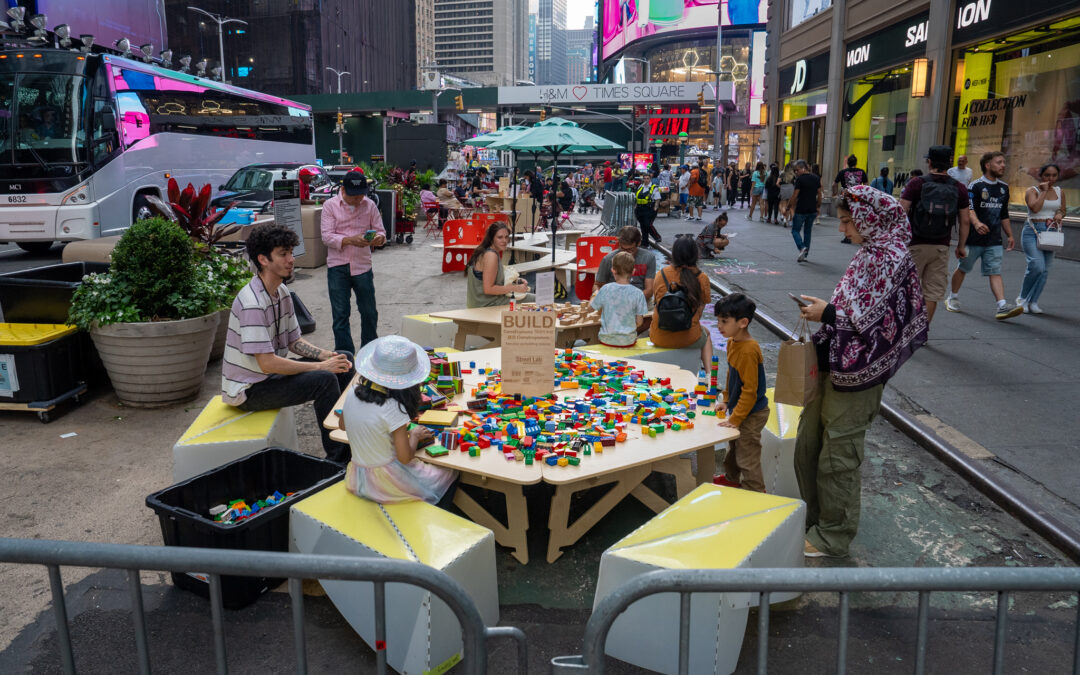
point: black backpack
(702, 179)
(673, 311)
(934, 215)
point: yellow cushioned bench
(422, 633)
(222, 433)
(778, 449)
(713, 527)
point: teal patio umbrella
(484, 140)
(556, 136)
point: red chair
(460, 238)
(486, 219)
(590, 251)
(433, 221)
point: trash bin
(42, 294)
(184, 513)
(39, 362)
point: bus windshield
(45, 122)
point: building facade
(551, 61)
(425, 37)
(485, 41)
(286, 45)
(580, 46)
(977, 75)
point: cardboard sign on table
(287, 210)
(528, 342)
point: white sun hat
(393, 362)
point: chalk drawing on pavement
(732, 266)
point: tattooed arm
(305, 349)
(321, 360)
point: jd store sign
(805, 75)
(896, 44)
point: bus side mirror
(108, 120)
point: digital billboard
(140, 21)
(626, 21)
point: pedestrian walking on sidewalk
(882, 182)
(873, 323)
(745, 183)
(805, 205)
(717, 187)
(646, 200)
(935, 204)
(981, 240)
(787, 188)
(849, 176)
(772, 195)
(732, 180)
(697, 187)
(351, 228)
(1046, 209)
(684, 191)
(757, 189)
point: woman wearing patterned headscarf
(874, 321)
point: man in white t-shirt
(961, 173)
(684, 190)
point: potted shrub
(152, 316)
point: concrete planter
(218, 349)
(156, 363)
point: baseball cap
(305, 171)
(355, 183)
(942, 153)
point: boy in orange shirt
(744, 400)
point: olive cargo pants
(828, 457)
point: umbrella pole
(539, 175)
(513, 211)
(555, 203)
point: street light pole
(339, 73)
(221, 21)
(718, 133)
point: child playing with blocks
(621, 304)
(744, 400)
(376, 418)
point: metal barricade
(294, 566)
(1002, 580)
(618, 212)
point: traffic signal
(459, 103)
(701, 97)
(340, 118)
(705, 121)
(543, 114)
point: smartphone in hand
(799, 301)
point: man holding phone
(351, 227)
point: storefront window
(1020, 94)
(880, 123)
(810, 104)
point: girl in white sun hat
(376, 417)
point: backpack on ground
(673, 310)
(702, 179)
(934, 215)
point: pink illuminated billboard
(626, 21)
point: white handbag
(1049, 240)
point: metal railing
(617, 213)
(293, 566)
(1002, 580)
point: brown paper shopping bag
(797, 369)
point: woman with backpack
(680, 293)
(772, 195)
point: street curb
(1060, 535)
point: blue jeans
(341, 285)
(802, 228)
(1038, 262)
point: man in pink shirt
(351, 226)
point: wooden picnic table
(487, 323)
(626, 465)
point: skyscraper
(484, 41)
(579, 52)
(551, 42)
(425, 36)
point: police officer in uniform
(646, 197)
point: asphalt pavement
(999, 390)
(916, 512)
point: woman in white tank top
(1046, 208)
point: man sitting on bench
(256, 373)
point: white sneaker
(802, 254)
(952, 304)
(1033, 308)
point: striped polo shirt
(257, 325)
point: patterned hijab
(880, 312)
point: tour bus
(85, 137)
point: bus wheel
(35, 247)
(141, 209)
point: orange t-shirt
(695, 189)
(683, 338)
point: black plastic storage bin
(184, 512)
(43, 294)
(45, 370)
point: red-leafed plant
(192, 211)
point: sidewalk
(1000, 390)
(91, 487)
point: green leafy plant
(154, 276)
(193, 213)
(225, 274)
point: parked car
(564, 170)
(252, 187)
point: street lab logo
(800, 77)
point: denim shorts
(991, 259)
(684, 197)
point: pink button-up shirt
(339, 220)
